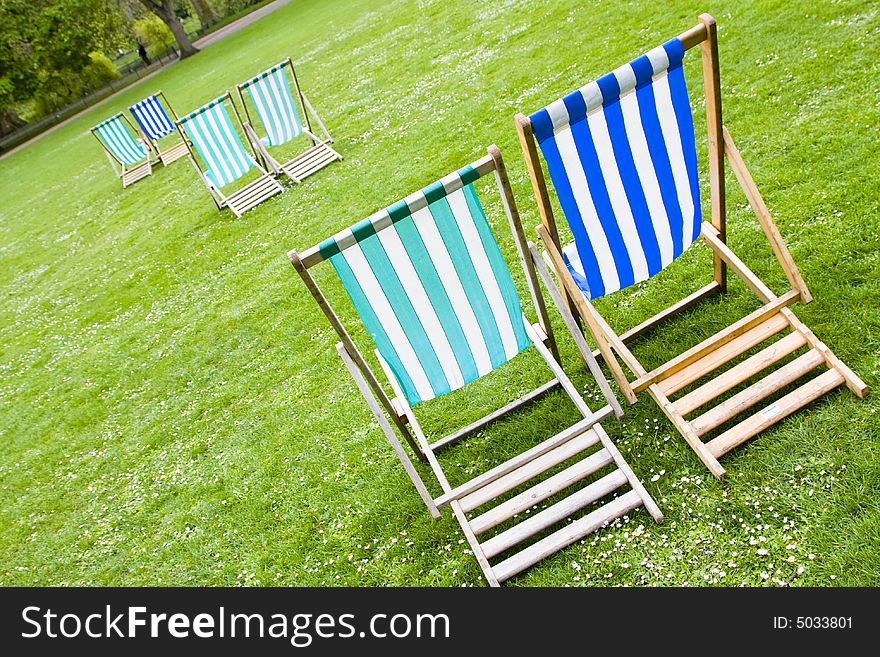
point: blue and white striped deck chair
(123, 149)
(431, 287)
(273, 98)
(155, 125)
(210, 133)
(622, 159)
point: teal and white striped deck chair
(432, 289)
(130, 154)
(156, 126)
(210, 135)
(273, 99)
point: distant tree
(206, 14)
(18, 68)
(47, 51)
(155, 36)
(164, 9)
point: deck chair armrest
(606, 341)
(370, 398)
(574, 329)
(314, 115)
(771, 231)
(215, 193)
(316, 139)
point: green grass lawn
(173, 410)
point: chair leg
(569, 320)
(600, 335)
(361, 383)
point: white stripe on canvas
(211, 149)
(422, 305)
(270, 121)
(578, 181)
(480, 260)
(638, 143)
(619, 202)
(672, 139)
(282, 92)
(426, 225)
(385, 313)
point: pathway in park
(206, 40)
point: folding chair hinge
(539, 332)
(399, 410)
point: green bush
(57, 89)
(230, 7)
(99, 72)
(155, 35)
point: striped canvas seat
(621, 154)
(214, 137)
(431, 287)
(119, 142)
(271, 95)
(152, 118)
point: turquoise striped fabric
(215, 139)
(118, 140)
(432, 288)
(272, 98)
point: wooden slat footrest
(768, 416)
(529, 455)
(173, 154)
(739, 373)
(137, 173)
(553, 514)
(528, 470)
(774, 381)
(314, 159)
(718, 340)
(566, 535)
(714, 359)
(253, 194)
(540, 492)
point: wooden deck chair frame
(773, 317)
(575, 440)
(130, 174)
(249, 196)
(305, 164)
(174, 152)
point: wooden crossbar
(739, 373)
(495, 415)
(721, 338)
(675, 309)
(718, 415)
(770, 415)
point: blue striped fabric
(119, 142)
(272, 98)
(622, 158)
(210, 130)
(431, 287)
(152, 118)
